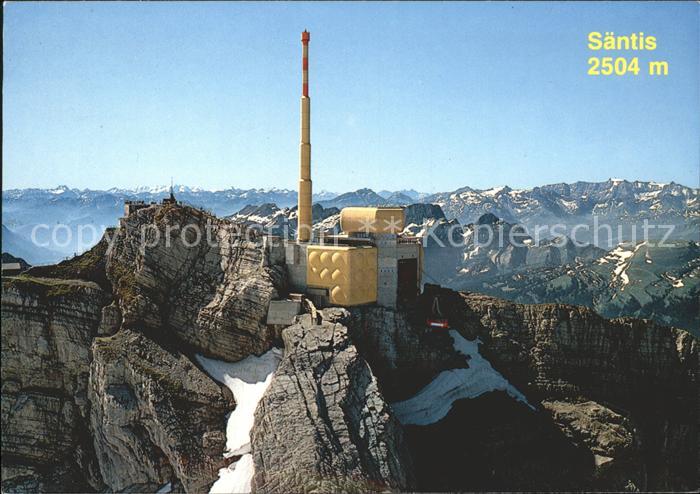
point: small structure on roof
(11, 268)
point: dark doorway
(407, 289)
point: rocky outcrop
(495, 443)
(609, 437)
(650, 280)
(623, 393)
(420, 212)
(155, 416)
(568, 350)
(211, 293)
(493, 247)
(47, 329)
(323, 425)
(88, 266)
(648, 372)
(151, 416)
(402, 352)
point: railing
(408, 240)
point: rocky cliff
(190, 276)
(646, 372)
(103, 388)
(324, 425)
(155, 417)
(47, 329)
(99, 388)
(618, 398)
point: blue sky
(426, 96)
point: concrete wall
(296, 266)
(387, 269)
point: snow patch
(493, 192)
(648, 196)
(621, 257)
(328, 224)
(248, 379)
(675, 282)
(569, 205)
(236, 478)
(434, 401)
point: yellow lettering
(658, 68)
(650, 42)
(594, 41)
(634, 66)
(623, 43)
(609, 41)
(633, 40)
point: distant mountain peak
(488, 219)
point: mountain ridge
(413, 193)
(618, 202)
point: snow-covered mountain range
(618, 202)
(94, 210)
(615, 197)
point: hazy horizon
(176, 186)
(425, 96)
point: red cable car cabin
(437, 320)
(438, 323)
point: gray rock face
(402, 353)
(495, 247)
(151, 416)
(155, 417)
(210, 295)
(616, 404)
(649, 373)
(609, 436)
(47, 329)
(323, 425)
(494, 443)
(418, 213)
(571, 350)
